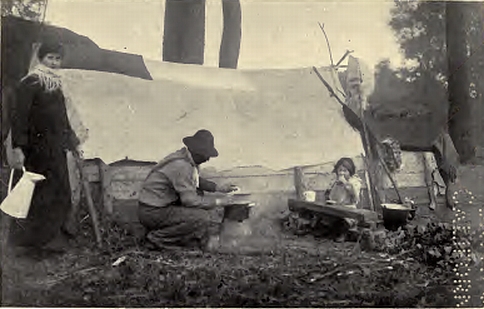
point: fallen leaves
(302, 278)
(302, 272)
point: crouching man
(171, 203)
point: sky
(275, 33)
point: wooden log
(361, 215)
(299, 183)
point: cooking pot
(396, 215)
(237, 211)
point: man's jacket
(175, 180)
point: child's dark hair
(346, 162)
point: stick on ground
(89, 200)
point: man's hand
(227, 188)
(18, 158)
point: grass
(298, 272)
(271, 269)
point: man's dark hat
(202, 143)
(49, 47)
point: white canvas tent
(265, 122)
(274, 118)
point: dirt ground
(298, 274)
(272, 270)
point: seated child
(346, 189)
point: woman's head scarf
(48, 78)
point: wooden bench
(364, 217)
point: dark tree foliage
(420, 31)
(443, 42)
(408, 110)
(27, 9)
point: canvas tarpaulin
(273, 118)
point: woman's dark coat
(40, 127)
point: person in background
(172, 207)
(41, 135)
(346, 188)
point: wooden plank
(125, 190)
(362, 215)
(135, 173)
(91, 171)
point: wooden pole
(369, 183)
(389, 174)
(299, 183)
(105, 176)
(89, 200)
(429, 182)
(368, 159)
(71, 224)
(343, 58)
(327, 43)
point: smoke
(261, 231)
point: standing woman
(41, 136)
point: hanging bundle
(392, 154)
